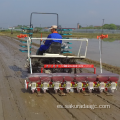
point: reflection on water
(110, 40)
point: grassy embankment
(111, 37)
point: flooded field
(110, 50)
(18, 104)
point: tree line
(105, 26)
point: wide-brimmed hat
(53, 27)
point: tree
(110, 26)
(80, 26)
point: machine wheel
(44, 91)
(90, 90)
(32, 91)
(78, 90)
(67, 90)
(101, 90)
(112, 91)
(56, 91)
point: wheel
(32, 91)
(67, 90)
(44, 91)
(90, 90)
(55, 91)
(78, 90)
(112, 91)
(101, 90)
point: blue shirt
(48, 42)
(53, 35)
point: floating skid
(107, 80)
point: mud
(18, 104)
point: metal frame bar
(70, 66)
(84, 39)
(43, 13)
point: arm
(48, 41)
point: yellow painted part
(54, 85)
(116, 84)
(41, 85)
(36, 85)
(98, 84)
(64, 85)
(75, 85)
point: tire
(101, 90)
(67, 90)
(78, 90)
(32, 91)
(112, 91)
(44, 91)
(90, 90)
(55, 91)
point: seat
(54, 48)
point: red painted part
(95, 83)
(61, 89)
(41, 70)
(38, 89)
(27, 84)
(84, 83)
(68, 66)
(50, 83)
(106, 89)
(41, 36)
(94, 70)
(83, 89)
(73, 83)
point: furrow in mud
(9, 84)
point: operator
(47, 43)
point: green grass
(111, 37)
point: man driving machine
(47, 43)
